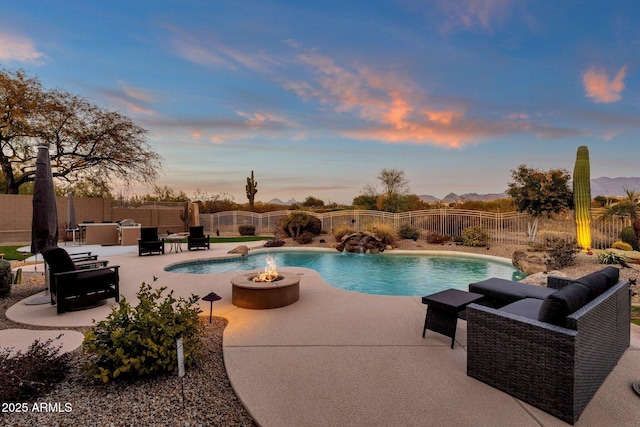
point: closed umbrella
(71, 217)
(44, 224)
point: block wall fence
(16, 214)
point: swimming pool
(381, 274)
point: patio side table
(443, 310)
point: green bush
(628, 235)
(141, 341)
(247, 230)
(475, 236)
(610, 257)
(305, 238)
(437, 238)
(5, 278)
(299, 222)
(30, 374)
(273, 243)
(561, 253)
(407, 232)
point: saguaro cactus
(582, 198)
(252, 189)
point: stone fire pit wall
(264, 295)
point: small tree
(538, 193)
(628, 207)
(312, 202)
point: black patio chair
(196, 238)
(79, 284)
(149, 242)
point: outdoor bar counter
(101, 233)
(129, 235)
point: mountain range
(602, 186)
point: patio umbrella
(71, 214)
(44, 224)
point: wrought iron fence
(504, 228)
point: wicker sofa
(552, 349)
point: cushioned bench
(500, 292)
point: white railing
(504, 228)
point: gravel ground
(209, 399)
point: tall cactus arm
(582, 198)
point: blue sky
(318, 97)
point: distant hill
(453, 197)
(277, 201)
(614, 186)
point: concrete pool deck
(337, 358)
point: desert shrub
(610, 257)
(622, 246)
(299, 222)
(30, 374)
(341, 231)
(305, 238)
(407, 232)
(5, 278)
(385, 232)
(437, 238)
(475, 236)
(628, 235)
(561, 253)
(273, 243)
(141, 341)
(247, 230)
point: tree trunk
(9, 179)
(532, 229)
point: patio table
(443, 311)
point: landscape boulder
(361, 243)
(528, 263)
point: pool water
(409, 275)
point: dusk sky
(318, 97)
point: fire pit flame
(270, 272)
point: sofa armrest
(557, 282)
(71, 273)
(528, 359)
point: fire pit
(268, 289)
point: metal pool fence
(504, 228)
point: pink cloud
(602, 89)
(14, 47)
(391, 104)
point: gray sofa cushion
(557, 306)
(509, 291)
(528, 307)
(600, 281)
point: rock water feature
(361, 243)
(264, 290)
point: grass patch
(11, 253)
(635, 315)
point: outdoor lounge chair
(196, 238)
(79, 284)
(149, 242)
(550, 351)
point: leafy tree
(84, 140)
(628, 207)
(367, 199)
(312, 202)
(538, 193)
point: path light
(211, 298)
